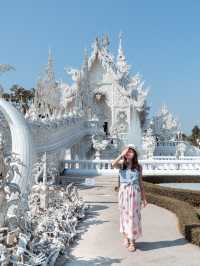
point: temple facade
(106, 91)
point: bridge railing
(150, 167)
(175, 158)
(171, 164)
(88, 164)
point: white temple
(103, 90)
(111, 101)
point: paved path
(100, 242)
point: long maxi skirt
(129, 200)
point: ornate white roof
(128, 85)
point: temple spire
(96, 45)
(105, 41)
(122, 65)
(163, 109)
(50, 69)
(121, 56)
(85, 60)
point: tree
(20, 94)
(194, 136)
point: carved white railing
(175, 158)
(186, 167)
(89, 167)
(164, 157)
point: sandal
(132, 246)
(126, 242)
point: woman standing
(130, 195)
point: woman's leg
(132, 245)
(126, 240)
(125, 235)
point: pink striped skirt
(129, 200)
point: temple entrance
(105, 127)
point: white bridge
(30, 139)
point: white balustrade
(150, 167)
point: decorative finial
(120, 39)
(105, 40)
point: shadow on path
(100, 261)
(90, 219)
(161, 244)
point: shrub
(190, 196)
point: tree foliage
(194, 136)
(18, 94)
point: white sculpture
(9, 191)
(99, 144)
(2, 163)
(21, 146)
(165, 126)
(149, 144)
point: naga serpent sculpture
(22, 145)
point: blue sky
(161, 42)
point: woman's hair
(135, 163)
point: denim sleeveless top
(129, 176)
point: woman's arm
(141, 185)
(118, 161)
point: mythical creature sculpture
(148, 144)
(74, 73)
(164, 125)
(9, 192)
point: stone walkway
(100, 242)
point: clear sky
(161, 42)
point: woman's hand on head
(123, 153)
